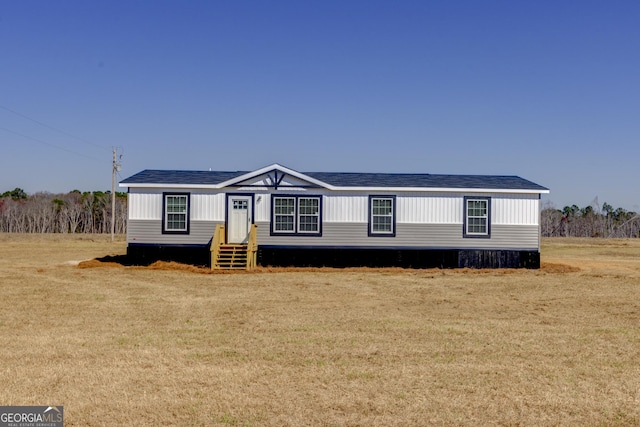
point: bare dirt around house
(175, 345)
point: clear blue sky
(547, 90)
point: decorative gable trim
(275, 179)
(275, 174)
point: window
(175, 213)
(284, 214)
(308, 215)
(296, 215)
(476, 217)
(382, 216)
(240, 205)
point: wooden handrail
(217, 240)
(252, 247)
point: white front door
(239, 218)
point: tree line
(90, 212)
(574, 221)
(73, 212)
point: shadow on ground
(126, 261)
(117, 259)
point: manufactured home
(335, 219)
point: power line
(116, 160)
(53, 128)
(47, 143)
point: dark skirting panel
(498, 259)
(406, 258)
(341, 257)
(148, 254)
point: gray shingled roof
(151, 176)
(424, 180)
(339, 179)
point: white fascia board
(170, 186)
(437, 190)
(270, 168)
(364, 189)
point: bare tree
(61, 213)
(573, 221)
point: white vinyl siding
(515, 210)
(145, 206)
(203, 207)
(344, 207)
(423, 219)
(411, 207)
(418, 208)
(507, 209)
(207, 207)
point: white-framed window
(308, 214)
(477, 212)
(175, 213)
(284, 214)
(382, 216)
(296, 215)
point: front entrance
(239, 218)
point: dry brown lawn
(128, 346)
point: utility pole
(114, 170)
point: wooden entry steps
(226, 256)
(230, 257)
